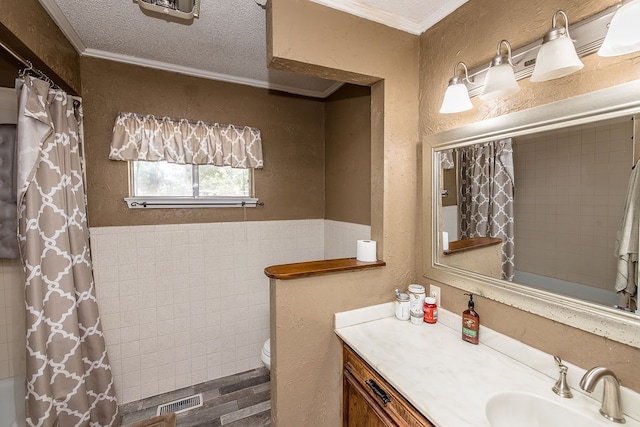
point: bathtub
(575, 290)
(12, 402)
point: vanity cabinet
(368, 400)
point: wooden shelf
(470, 244)
(316, 268)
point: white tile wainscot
(449, 380)
(340, 238)
(183, 304)
(187, 303)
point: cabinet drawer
(396, 407)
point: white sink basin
(528, 410)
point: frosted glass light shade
(623, 35)
(499, 82)
(456, 99)
(556, 58)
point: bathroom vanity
(425, 375)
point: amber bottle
(470, 323)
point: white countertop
(450, 380)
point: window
(163, 184)
(181, 163)
(162, 179)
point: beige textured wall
(309, 38)
(291, 183)
(306, 354)
(29, 30)
(470, 35)
(348, 155)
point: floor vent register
(181, 405)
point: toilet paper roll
(445, 241)
(366, 251)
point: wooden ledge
(458, 246)
(316, 268)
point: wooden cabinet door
(360, 410)
(368, 400)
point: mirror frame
(603, 104)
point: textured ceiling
(227, 42)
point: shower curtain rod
(27, 64)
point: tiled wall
(570, 187)
(340, 238)
(12, 319)
(183, 304)
(12, 311)
(450, 222)
(8, 105)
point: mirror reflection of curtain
(69, 379)
(446, 159)
(486, 196)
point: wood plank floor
(240, 400)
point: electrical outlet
(434, 291)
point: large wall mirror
(557, 178)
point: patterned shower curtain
(486, 199)
(69, 380)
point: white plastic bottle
(416, 299)
(402, 306)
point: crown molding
(334, 87)
(389, 19)
(195, 72)
(442, 12)
(51, 7)
(371, 14)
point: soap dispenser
(470, 323)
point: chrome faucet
(561, 388)
(610, 408)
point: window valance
(150, 138)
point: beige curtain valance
(150, 138)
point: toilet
(266, 354)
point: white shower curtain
(628, 238)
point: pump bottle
(470, 323)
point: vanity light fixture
(623, 35)
(500, 80)
(182, 9)
(589, 35)
(456, 98)
(557, 56)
